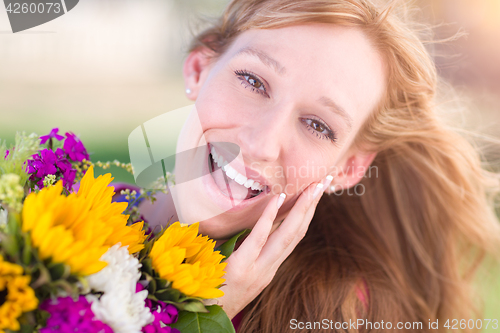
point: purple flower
(75, 148)
(66, 169)
(52, 135)
(163, 313)
(6, 154)
(69, 178)
(62, 162)
(67, 315)
(49, 163)
(43, 165)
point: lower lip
(223, 201)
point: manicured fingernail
(281, 199)
(329, 178)
(318, 190)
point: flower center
(3, 296)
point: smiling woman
(288, 107)
(314, 94)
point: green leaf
(10, 244)
(162, 283)
(148, 246)
(195, 322)
(168, 295)
(58, 271)
(152, 287)
(190, 299)
(26, 329)
(227, 248)
(27, 251)
(147, 266)
(194, 306)
(14, 223)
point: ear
(351, 170)
(195, 70)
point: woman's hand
(253, 265)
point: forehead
(318, 60)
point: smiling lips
(237, 185)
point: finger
(251, 247)
(298, 237)
(294, 227)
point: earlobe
(352, 171)
(195, 70)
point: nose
(262, 137)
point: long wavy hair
(412, 242)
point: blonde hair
(418, 233)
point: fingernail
(318, 190)
(281, 199)
(329, 178)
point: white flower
(120, 306)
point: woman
(345, 91)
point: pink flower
(52, 135)
(75, 148)
(67, 315)
(163, 313)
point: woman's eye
(317, 126)
(320, 129)
(251, 81)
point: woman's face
(292, 99)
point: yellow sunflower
(189, 261)
(16, 296)
(79, 228)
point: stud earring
(188, 91)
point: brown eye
(317, 126)
(320, 129)
(253, 82)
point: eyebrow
(280, 70)
(336, 109)
(264, 57)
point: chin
(215, 228)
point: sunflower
(16, 296)
(79, 228)
(189, 261)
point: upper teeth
(233, 174)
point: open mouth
(231, 183)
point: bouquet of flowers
(73, 259)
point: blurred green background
(110, 65)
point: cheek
(219, 104)
(303, 172)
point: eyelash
(241, 76)
(330, 135)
